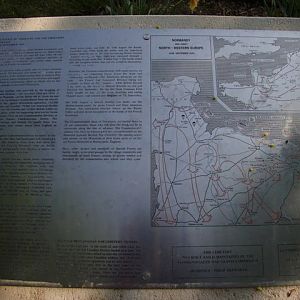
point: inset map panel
(213, 167)
(255, 73)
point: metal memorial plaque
(138, 158)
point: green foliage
(128, 7)
(283, 8)
(38, 8)
(33, 8)
(140, 7)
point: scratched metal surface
(269, 236)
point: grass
(34, 8)
(37, 8)
(141, 7)
(285, 8)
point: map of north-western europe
(225, 135)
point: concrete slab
(149, 22)
(33, 293)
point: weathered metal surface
(187, 176)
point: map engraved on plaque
(224, 135)
(141, 158)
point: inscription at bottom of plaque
(289, 260)
(217, 262)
